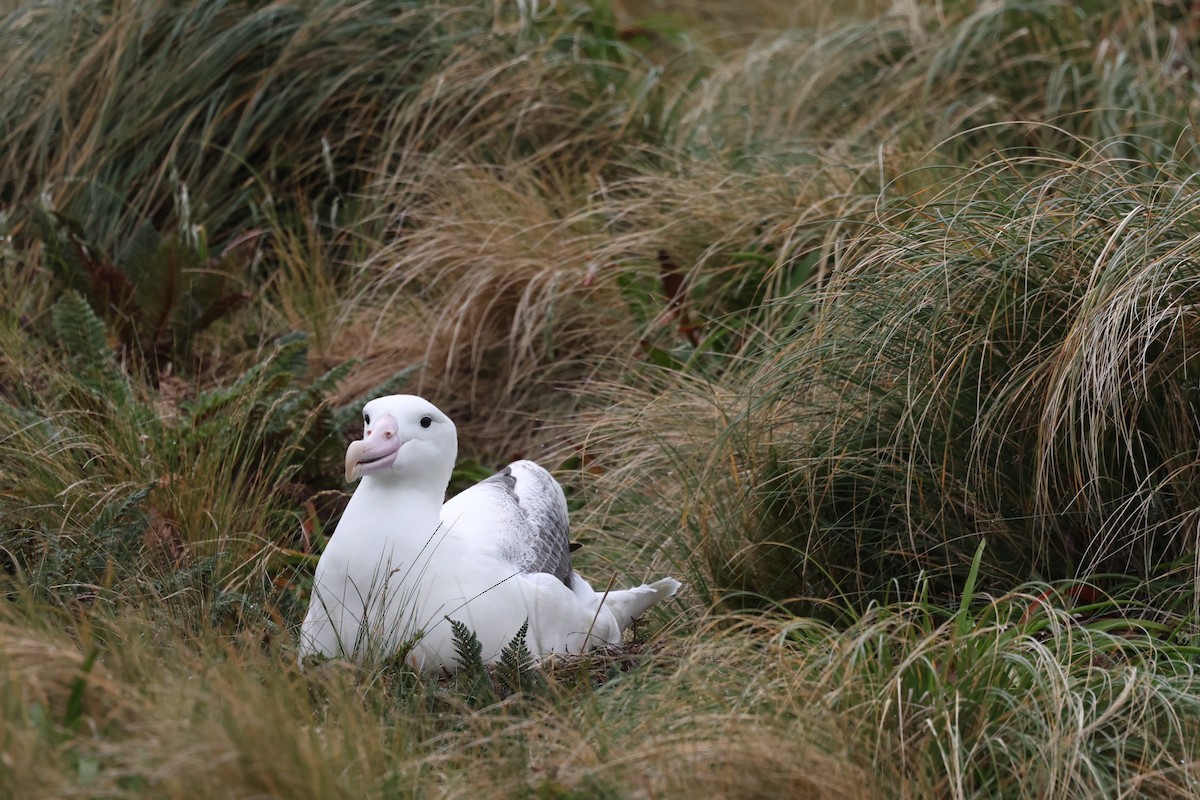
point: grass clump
(908, 700)
(157, 299)
(1005, 358)
(987, 704)
(1007, 75)
(113, 486)
(293, 105)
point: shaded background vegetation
(874, 324)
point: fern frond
(81, 333)
(516, 671)
(57, 253)
(329, 381)
(137, 256)
(84, 337)
(472, 678)
(291, 356)
(466, 647)
(213, 400)
(160, 292)
(114, 511)
(347, 416)
(120, 526)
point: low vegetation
(873, 324)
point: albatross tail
(626, 605)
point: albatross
(402, 562)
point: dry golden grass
(898, 705)
(731, 24)
(490, 288)
(162, 716)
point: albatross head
(404, 437)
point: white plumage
(494, 556)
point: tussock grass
(269, 103)
(806, 301)
(516, 309)
(984, 705)
(989, 76)
(134, 493)
(1015, 368)
(905, 702)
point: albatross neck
(414, 494)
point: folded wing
(518, 515)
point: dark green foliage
(81, 332)
(257, 90)
(269, 435)
(471, 678)
(70, 566)
(156, 298)
(515, 672)
(83, 336)
(275, 108)
(281, 394)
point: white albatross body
(494, 556)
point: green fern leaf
(270, 383)
(347, 416)
(291, 356)
(121, 526)
(516, 671)
(213, 400)
(466, 647)
(160, 293)
(330, 380)
(84, 338)
(122, 507)
(57, 253)
(81, 333)
(137, 257)
(472, 677)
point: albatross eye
(426, 422)
(366, 419)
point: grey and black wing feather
(544, 544)
(524, 512)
